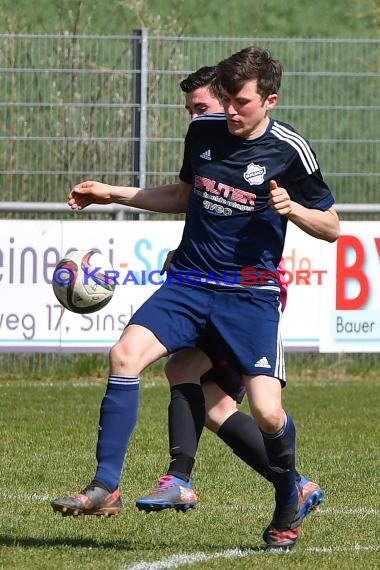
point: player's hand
(279, 199)
(89, 192)
(166, 265)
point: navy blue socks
(118, 416)
(280, 449)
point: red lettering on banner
(354, 272)
(293, 263)
(319, 273)
(303, 277)
(377, 243)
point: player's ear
(271, 101)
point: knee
(211, 423)
(122, 360)
(269, 421)
(217, 415)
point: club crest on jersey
(254, 174)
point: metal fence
(110, 108)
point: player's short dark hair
(250, 63)
(202, 77)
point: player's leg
(186, 419)
(221, 408)
(186, 412)
(279, 434)
(260, 356)
(242, 434)
(137, 348)
(237, 429)
(164, 323)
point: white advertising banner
(306, 264)
(351, 314)
(31, 318)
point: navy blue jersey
(229, 223)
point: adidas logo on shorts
(262, 363)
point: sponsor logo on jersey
(224, 191)
(254, 174)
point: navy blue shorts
(243, 321)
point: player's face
(247, 111)
(200, 102)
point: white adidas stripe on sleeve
(299, 144)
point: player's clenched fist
(89, 192)
(279, 199)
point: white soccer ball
(83, 281)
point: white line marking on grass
(34, 497)
(349, 512)
(320, 511)
(342, 549)
(184, 559)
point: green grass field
(48, 435)
(261, 18)
(48, 427)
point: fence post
(139, 123)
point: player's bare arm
(170, 198)
(317, 223)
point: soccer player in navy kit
(223, 385)
(243, 176)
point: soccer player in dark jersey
(223, 385)
(244, 175)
